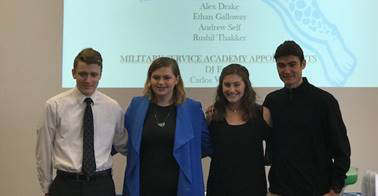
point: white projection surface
(339, 39)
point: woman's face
(163, 82)
(233, 88)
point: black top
(158, 168)
(237, 165)
(308, 132)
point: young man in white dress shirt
(60, 142)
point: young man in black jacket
(309, 144)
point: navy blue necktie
(89, 161)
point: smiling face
(290, 70)
(87, 77)
(233, 88)
(163, 82)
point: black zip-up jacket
(309, 146)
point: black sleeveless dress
(237, 165)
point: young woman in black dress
(238, 127)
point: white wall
(30, 57)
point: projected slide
(339, 39)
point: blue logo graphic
(305, 22)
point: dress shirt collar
(81, 97)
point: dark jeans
(69, 185)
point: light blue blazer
(191, 140)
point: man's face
(290, 70)
(87, 77)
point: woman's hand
(209, 113)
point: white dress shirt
(60, 139)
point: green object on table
(352, 176)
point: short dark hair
(89, 56)
(248, 101)
(178, 91)
(289, 47)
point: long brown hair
(178, 91)
(247, 102)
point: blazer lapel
(183, 135)
(141, 111)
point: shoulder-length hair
(178, 96)
(247, 102)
